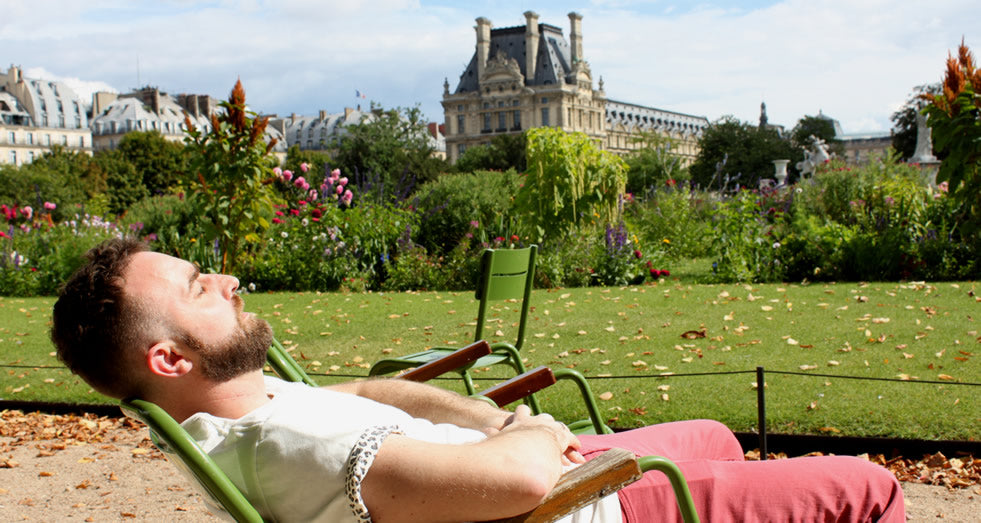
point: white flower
(305, 222)
(284, 234)
(776, 245)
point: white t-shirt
(302, 456)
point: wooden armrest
(452, 361)
(583, 485)
(520, 386)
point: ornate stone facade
(530, 76)
(36, 115)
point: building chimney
(575, 36)
(323, 115)
(347, 112)
(531, 45)
(483, 45)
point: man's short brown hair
(96, 328)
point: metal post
(761, 409)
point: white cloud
(855, 60)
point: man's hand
(522, 419)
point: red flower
(295, 212)
(279, 213)
(670, 182)
(514, 238)
(637, 254)
(277, 220)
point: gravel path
(61, 468)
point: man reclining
(134, 323)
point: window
(30, 156)
(64, 139)
(461, 121)
(47, 139)
(12, 137)
(545, 122)
(544, 100)
(81, 141)
(460, 149)
(487, 122)
(517, 120)
(13, 157)
(459, 108)
(30, 138)
(502, 120)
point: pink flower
(342, 181)
(27, 211)
(313, 194)
(304, 167)
(277, 171)
(3, 235)
(302, 202)
(339, 189)
(346, 199)
(335, 174)
(50, 206)
(943, 186)
(295, 212)
(279, 213)
(287, 175)
(299, 181)
(277, 220)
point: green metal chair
(218, 492)
(506, 274)
(577, 488)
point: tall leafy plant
(954, 117)
(230, 177)
(570, 181)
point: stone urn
(780, 171)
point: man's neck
(229, 399)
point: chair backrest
(506, 274)
(220, 494)
(285, 366)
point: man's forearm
(428, 402)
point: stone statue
(815, 155)
(924, 142)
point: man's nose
(229, 284)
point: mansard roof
(554, 56)
(650, 119)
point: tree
(388, 152)
(124, 185)
(317, 161)
(904, 126)
(823, 128)
(505, 151)
(740, 153)
(230, 179)
(159, 162)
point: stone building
(531, 76)
(149, 109)
(38, 114)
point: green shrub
(677, 219)
(36, 259)
(449, 207)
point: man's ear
(165, 359)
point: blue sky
(855, 60)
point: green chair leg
(685, 503)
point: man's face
(202, 311)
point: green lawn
(630, 340)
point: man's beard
(244, 351)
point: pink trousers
(726, 488)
